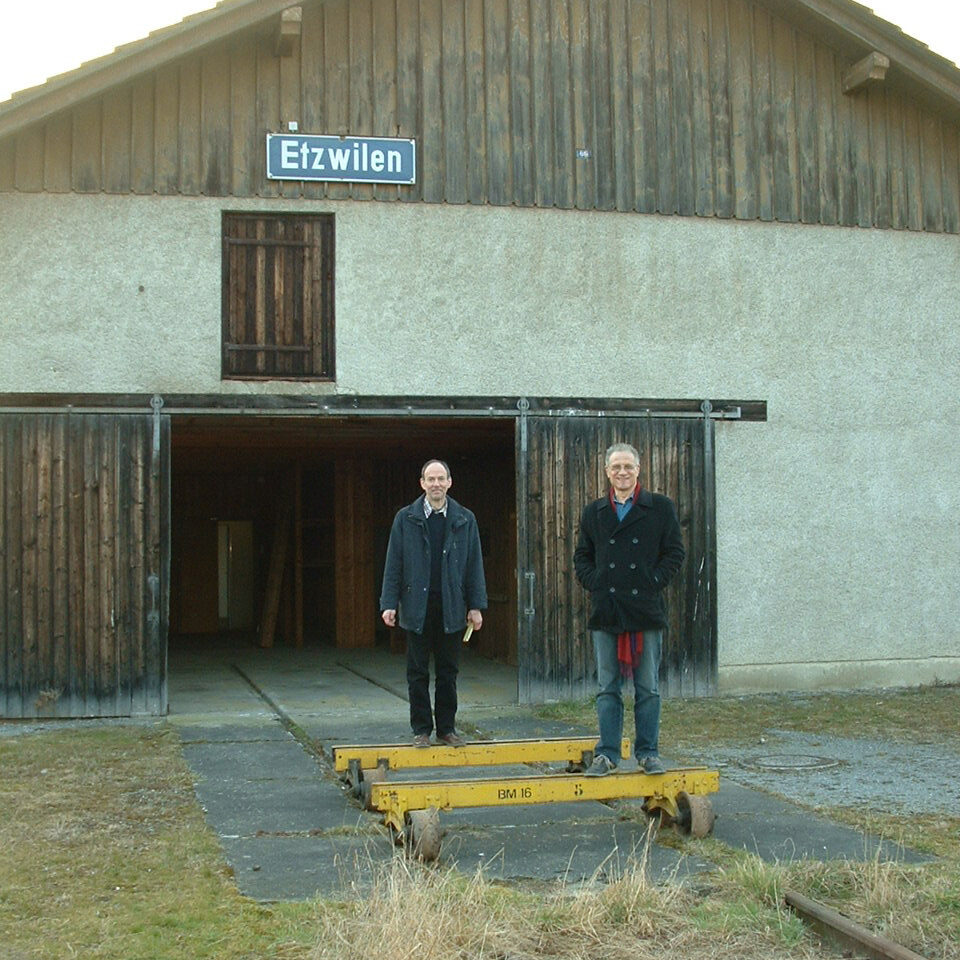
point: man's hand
(476, 618)
(389, 617)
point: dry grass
(106, 856)
(915, 715)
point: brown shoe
(421, 740)
(452, 739)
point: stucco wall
(839, 547)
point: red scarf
(630, 642)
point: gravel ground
(825, 771)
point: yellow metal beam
(395, 799)
(476, 753)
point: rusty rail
(849, 934)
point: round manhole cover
(799, 763)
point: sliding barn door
(559, 470)
(84, 548)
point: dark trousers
(445, 648)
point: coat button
(614, 541)
(635, 540)
(634, 591)
(633, 566)
(612, 565)
(613, 589)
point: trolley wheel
(423, 834)
(373, 775)
(696, 815)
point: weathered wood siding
(712, 108)
(564, 472)
(83, 590)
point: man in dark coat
(433, 584)
(628, 550)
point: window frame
(277, 306)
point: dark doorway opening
(279, 525)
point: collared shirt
(427, 509)
(623, 508)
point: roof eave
(134, 59)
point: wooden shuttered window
(278, 296)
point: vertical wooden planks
(561, 78)
(521, 106)
(931, 173)
(743, 129)
(497, 74)
(454, 98)
(61, 666)
(644, 108)
(879, 157)
(701, 109)
(125, 638)
(167, 129)
(763, 111)
(311, 79)
(117, 133)
(142, 136)
(807, 161)
(475, 106)
(12, 643)
(621, 105)
(683, 106)
(542, 100)
(336, 87)
(5, 549)
(247, 164)
(912, 167)
(188, 121)
(30, 653)
(951, 177)
(786, 179)
(585, 161)
(215, 112)
(86, 146)
(76, 562)
(599, 83)
(360, 118)
(408, 82)
(827, 84)
(57, 153)
(106, 646)
(42, 519)
(384, 18)
(667, 198)
(28, 162)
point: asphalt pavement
(258, 728)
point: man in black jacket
(628, 550)
(433, 577)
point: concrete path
(258, 727)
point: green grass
(106, 855)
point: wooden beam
(866, 72)
(288, 32)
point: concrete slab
(566, 851)
(290, 829)
(271, 868)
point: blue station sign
(296, 156)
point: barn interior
(279, 525)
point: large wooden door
(559, 470)
(84, 556)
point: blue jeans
(646, 688)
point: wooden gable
(713, 108)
